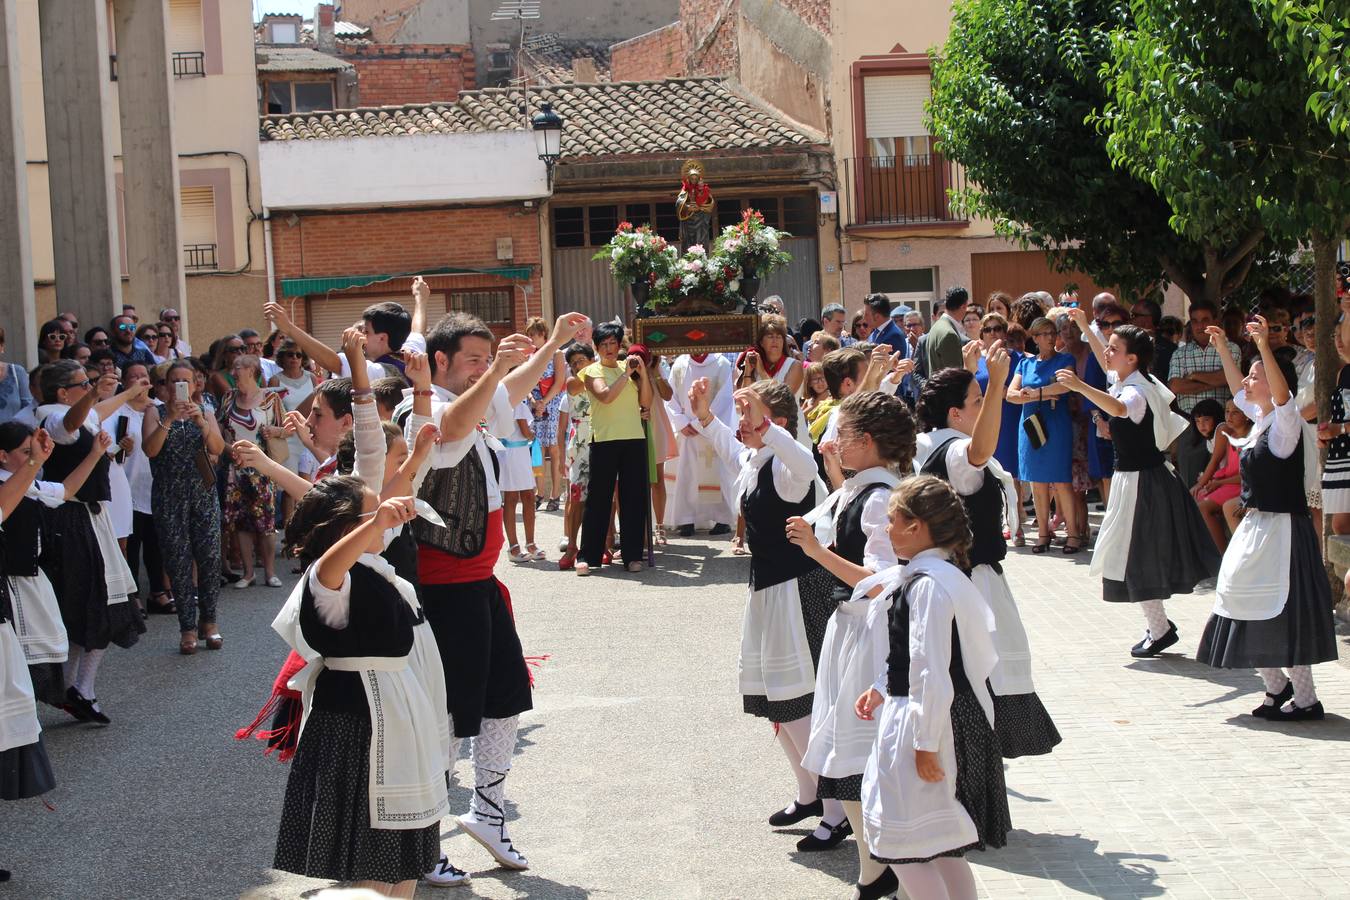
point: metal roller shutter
(185, 26)
(330, 316)
(198, 215)
(893, 105)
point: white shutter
(198, 215)
(185, 26)
(330, 316)
(894, 104)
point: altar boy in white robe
(699, 495)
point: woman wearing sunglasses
(994, 328)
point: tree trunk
(1326, 362)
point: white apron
(1012, 674)
(37, 619)
(18, 709)
(410, 730)
(120, 581)
(775, 656)
(852, 656)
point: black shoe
(1268, 710)
(720, 528)
(885, 886)
(1297, 713)
(811, 843)
(796, 812)
(1150, 647)
(685, 531)
(83, 709)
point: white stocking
(1155, 614)
(922, 881)
(1274, 680)
(793, 737)
(956, 872)
(868, 868)
(492, 750)
(84, 680)
(1305, 695)
(70, 669)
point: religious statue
(694, 206)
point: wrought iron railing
(200, 257)
(189, 64)
(900, 190)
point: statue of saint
(694, 206)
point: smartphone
(182, 391)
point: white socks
(492, 750)
(948, 878)
(1304, 693)
(80, 670)
(869, 870)
(792, 736)
(1274, 680)
(1155, 614)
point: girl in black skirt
(933, 788)
(1274, 610)
(371, 692)
(791, 597)
(24, 768)
(1153, 541)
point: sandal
(738, 547)
(513, 552)
(566, 562)
(1040, 548)
(160, 606)
(533, 552)
(1070, 550)
(187, 643)
(606, 558)
(659, 538)
(1020, 540)
(552, 505)
(634, 566)
(211, 636)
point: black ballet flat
(1150, 647)
(1297, 713)
(685, 531)
(719, 529)
(1267, 710)
(885, 886)
(796, 812)
(811, 843)
(83, 709)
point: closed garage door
(1017, 272)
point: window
(902, 281)
(278, 97)
(285, 33)
(313, 95)
(667, 222)
(569, 226)
(603, 222)
(638, 213)
(799, 215)
(197, 214)
(185, 27)
(493, 307)
(728, 212)
(893, 106)
(499, 56)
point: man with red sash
(469, 394)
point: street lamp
(548, 127)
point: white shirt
(878, 553)
(1284, 423)
(794, 469)
(49, 493)
(373, 369)
(500, 421)
(137, 465)
(183, 347)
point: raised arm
(1079, 316)
(1259, 331)
(984, 441)
(332, 568)
(1232, 374)
(1068, 378)
(12, 490)
(462, 416)
(115, 402)
(421, 292)
(250, 455)
(318, 351)
(525, 376)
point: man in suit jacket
(946, 337)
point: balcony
(189, 64)
(900, 191)
(199, 258)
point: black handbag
(1034, 426)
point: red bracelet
(427, 393)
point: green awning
(303, 287)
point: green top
(620, 420)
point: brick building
(651, 56)
(348, 195)
(398, 74)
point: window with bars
(197, 220)
(492, 306)
(593, 226)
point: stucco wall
(411, 21)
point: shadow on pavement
(1074, 861)
(1332, 728)
(533, 886)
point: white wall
(408, 170)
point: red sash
(438, 567)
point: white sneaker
(446, 875)
(494, 839)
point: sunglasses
(1307, 323)
(288, 353)
(77, 384)
(1276, 327)
(234, 349)
(1113, 323)
(166, 335)
(125, 327)
(994, 329)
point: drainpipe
(267, 255)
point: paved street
(639, 777)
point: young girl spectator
(933, 789)
(297, 383)
(814, 390)
(1216, 491)
(517, 485)
(791, 596)
(247, 413)
(1274, 609)
(1153, 542)
(847, 534)
(373, 691)
(964, 425)
(545, 399)
(579, 356)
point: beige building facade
(215, 136)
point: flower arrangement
(698, 275)
(752, 247)
(638, 254)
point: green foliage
(1318, 33)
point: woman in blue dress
(994, 327)
(1048, 466)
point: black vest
(1136, 448)
(773, 559)
(1269, 483)
(897, 661)
(67, 457)
(850, 541)
(984, 508)
(23, 538)
(459, 494)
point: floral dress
(250, 500)
(546, 425)
(579, 447)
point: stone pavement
(638, 776)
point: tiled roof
(296, 58)
(684, 115)
(552, 62)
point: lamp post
(548, 127)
